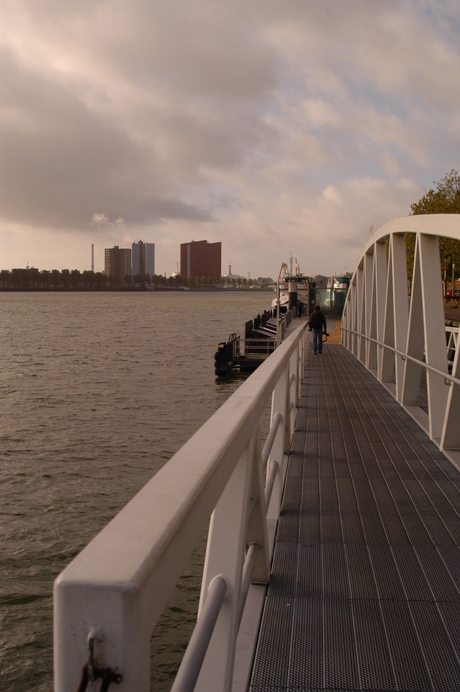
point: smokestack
(92, 257)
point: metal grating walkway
(365, 585)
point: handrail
(405, 356)
(190, 667)
(251, 555)
(248, 569)
(270, 439)
(274, 466)
(120, 583)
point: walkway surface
(364, 592)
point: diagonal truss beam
(396, 326)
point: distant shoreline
(159, 289)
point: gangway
(364, 587)
(357, 480)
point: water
(98, 391)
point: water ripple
(98, 391)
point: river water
(98, 391)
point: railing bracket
(108, 676)
(91, 671)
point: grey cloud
(223, 117)
(61, 162)
(205, 49)
(132, 137)
(405, 50)
(201, 49)
(161, 209)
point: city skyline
(271, 128)
(149, 260)
(93, 254)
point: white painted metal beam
(120, 583)
(402, 343)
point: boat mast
(278, 301)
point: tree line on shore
(444, 200)
(31, 279)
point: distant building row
(120, 262)
(198, 258)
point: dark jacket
(317, 320)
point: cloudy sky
(270, 126)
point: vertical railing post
(299, 351)
(415, 339)
(373, 356)
(434, 330)
(257, 522)
(380, 264)
(293, 381)
(450, 438)
(368, 275)
(122, 637)
(360, 319)
(346, 321)
(401, 305)
(355, 298)
(396, 313)
(426, 334)
(225, 555)
(281, 404)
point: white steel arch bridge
(402, 339)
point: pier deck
(364, 592)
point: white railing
(452, 345)
(399, 337)
(109, 598)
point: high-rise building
(143, 259)
(117, 263)
(200, 258)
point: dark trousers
(318, 340)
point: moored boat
(293, 286)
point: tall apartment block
(143, 259)
(117, 263)
(200, 258)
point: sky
(269, 126)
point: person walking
(317, 324)
(299, 308)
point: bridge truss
(397, 329)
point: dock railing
(108, 600)
(256, 347)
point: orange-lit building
(200, 258)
